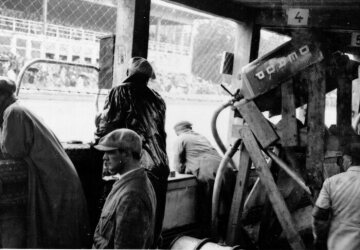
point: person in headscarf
(135, 106)
(194, 154)
(56, 212)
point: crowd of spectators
(43, 76)
(173, 83)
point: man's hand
(321, 225)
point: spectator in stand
(9, 70)
(135, 106)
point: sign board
(355, 39)
(227, 62)
(274, 68)
(297, 17)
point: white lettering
(270, 69)
(282, 63)
(304, 50)
(260, 75)
(292, 57)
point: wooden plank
(234, 223)
(258, 124)
(289, 131)
(272, 191)
(220, 8)
(316, 127)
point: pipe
(289, 171)
(213, 126)
(217, 185)
(216, 134)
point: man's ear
(127, 153)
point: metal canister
(187, 242)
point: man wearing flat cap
(56, 213)
(128, 216)
(135, 106)
(336, 214)
(194, 154)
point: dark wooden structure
(280, 192)
(334, 27)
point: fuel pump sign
(276, 67)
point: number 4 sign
(297, 16)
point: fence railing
(169, 48)
(36, 28)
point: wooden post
(288, 123)
(272, 191)
(343, 102)
(141, 28)
(246, 49)
(45, 13)
(233, 236)
(316, 126)
(132, 34)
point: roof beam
(346, 19)
(223, 8)
(298, 3)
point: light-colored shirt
(190, 148)
(341, 194)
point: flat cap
(183, 125)
(7, 85)
(122, 138)
(139, 67)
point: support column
(344, 103)
(246, 49)
(132, 34)
(45, 11)
(316, 126)
(157, 30)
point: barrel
(13, 182)
(191, 243)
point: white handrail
(54, 30)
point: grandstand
(69, 30)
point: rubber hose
(215, 132)
(213, 126)
(217, 185)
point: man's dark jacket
(135, 106)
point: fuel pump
(259, 140)
(258, 78)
